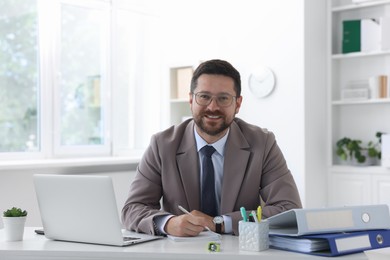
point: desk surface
(36, 246)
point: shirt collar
(218, 145)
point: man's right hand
(185, 225)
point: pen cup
(253, 236)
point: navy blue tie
(209, 203)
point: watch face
(218, 219)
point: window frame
(127, 136)
(85, 150)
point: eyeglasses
(204, 99)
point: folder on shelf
(351, 36)
(297, 222)
(333, 244)
(374, 34)
(365, 35)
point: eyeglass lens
(205, 99)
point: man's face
(214, 119)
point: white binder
(297, 222)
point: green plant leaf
(372, 152)
(15, 212)
(361, 158)
(352, 148)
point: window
(76, 78)
(83, 86)
(136, 63)
(19, 81)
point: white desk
(38, 247)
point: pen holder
(253, 236)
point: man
(247, 168)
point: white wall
(272, 33)
(246, 33)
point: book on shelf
(183, 82)
(379, 86)
(383, 86)
(366, 35)
(355, 90)
(354, 94)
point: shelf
(377, 169)
(180, 80)
(359, 5)
(356, 184)
(359, 54)
(361, 102)
(179, 100)
(180, 83)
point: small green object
(214, 247)
(14, 212)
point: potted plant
(14, 220)
(355, 151)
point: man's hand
(188, 224)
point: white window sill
(121, 162)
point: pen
(255, 217)
(259, 213)
(187, 212)
(184, 210)
(243, 214)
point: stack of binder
(331, 231)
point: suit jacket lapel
(188, 163)
(236, 150)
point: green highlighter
(243, 214)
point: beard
(211, 129)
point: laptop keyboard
(130, 238)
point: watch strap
(218, 228)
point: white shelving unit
(349, 185)
(180, 80)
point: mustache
(210, 113)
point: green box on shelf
(351, 36)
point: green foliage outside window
(18, 76)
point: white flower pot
(14, 228)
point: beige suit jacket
(255, 172)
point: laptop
(82, 208)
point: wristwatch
(218, 220)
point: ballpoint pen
(184, 210)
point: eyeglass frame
(212, 98)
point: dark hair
(217, 67)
